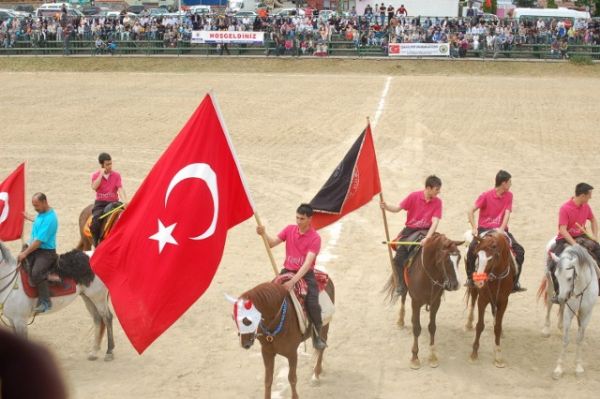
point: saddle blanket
(67, 287)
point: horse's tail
(389, 289)
(543, 290)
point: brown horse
(493, 284)
(266, 312)
(433, 270)
(85, 240)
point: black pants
(472, 256)
(312, 297)
(40, 261)
(96, 225)
(592, 246)
(403, 251)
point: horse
(18, 307)
(494, 279)
(546, 291)
(85, 238)
(578, 291)
(434, 269)
(268, 306)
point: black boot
(516, 286)
(399, 261)
(44, 303)
(318, 342)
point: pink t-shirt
(492, 208)
(570, 214)
(419, 212)
(297, 246)
(107, 190)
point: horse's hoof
(401, 326)
(468, 327)
(546, 332)
(315, 381)
(579, 370)
(109, 357)
(473, 359)
(434, 363)
(415, 364)
(92, 357)
(499, 363)
(556, 374)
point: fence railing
(269, 48)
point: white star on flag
(164, 235)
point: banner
(419, 49)
(210, 36)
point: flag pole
(24, 202)
(385, 223)
(267, 247)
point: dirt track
(291, 125)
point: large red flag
(12, 205)
(165, 249)
(353, 183)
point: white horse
(578, 291)
(17, 307)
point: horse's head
(569, 266)
(493, 255)
(450, 259)
(247, 319)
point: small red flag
(12, 205)
(353, 183)
(164, 251)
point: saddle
(106, 224)
(413, 250)
(66, 286)
(301, 289)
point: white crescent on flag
(6, 208)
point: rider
(423, 213)
(107, 184)
(41, 252)
(302, 245)
(494, 207)
(572, 218)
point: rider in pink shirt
(495, 207)
(423, 213)
(302, 245)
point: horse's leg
(315, 379)
(498, 360)
(546, 329)
(98, 326)
(269, 362)
(402, 312)
(292, 377)
(481, 305)
(561, 317)
(472, 292)
(584, 320)
(416, 324)
(107, 320)
(433, 359)
(558, 370)
(20, 327)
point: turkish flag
(352, 184)
(165, 249)
(12, 205)
(488, 4)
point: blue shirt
(44, 229)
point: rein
(580, 296)
(270, 335)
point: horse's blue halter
(279, 327)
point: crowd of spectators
(308, 34)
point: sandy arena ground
(290, 130)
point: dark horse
(85, 241)
(266, 312)
(493, 284)
(434, 269)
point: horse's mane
(581, 254)
(266, 295)
(6, 254)
(76, 265)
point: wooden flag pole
(24, 203)
(267, 247)
(385, 223)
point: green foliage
(492, 9)
(581, 60)
(552, 4)
(527, 3)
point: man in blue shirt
(41, 252)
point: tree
(491, 9)
(525, 3)
(552, 4)
(594, 6)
